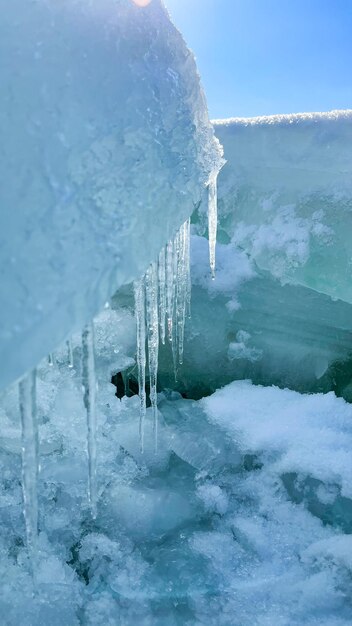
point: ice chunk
(106, 147)
(285, 196)
(193, 438)
(154, 511)
(125, 432)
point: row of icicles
(162, 303)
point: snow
(106, 147)
(207, 530)
(286, 426)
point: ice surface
(285, 196)
(203, 532)
(106, 146)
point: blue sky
(259, 57)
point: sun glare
(141, 3)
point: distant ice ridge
(106, 147)
(285, 196)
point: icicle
(69, 353)
(139, 299)
(153, 341)
(188, 268)
(50, 360)
(175, 282)
(212, 219)
(30, 455)
(182, 286)
(89, 389)
(162, 293)
(169, 288)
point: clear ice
(212, 219)
(182, 285)
(69, 353)
(162, 294)
(30, 457)
(151, 284)
(89, 392)
(162, 302)
(170, 288)
(286, 196)
(139, 306)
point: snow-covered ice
(285, 196)
(207, 531)
(106, 146)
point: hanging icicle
(169, 288)
(175, 281)
(89, 390)
(69, 353)
(139, 300)
(188, 268)
(212, 219)
(30, 456)
(162, 293)
(162, 302)
(151, 284)
(183, 286)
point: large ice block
(105, 147)
(245, 324)
(285, 196)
